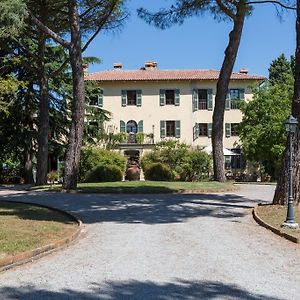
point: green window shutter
(209, 129)
(162, 129)
(227, 129)
(227, 101)
(124, 97)
(100, 98)
(195, 131)
(177, 129)
(162, 97)
(122, 126)
(195, 99)
(141, 126)
(138, 98)
(177, 97)
(242, 94)
(209, 99)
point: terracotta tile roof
(145, 75)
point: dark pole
(290, 218)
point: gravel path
(161, 247)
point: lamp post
(290, 126)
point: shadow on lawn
(147, 209)
(32, 212)
(146, 290)
(127, 189)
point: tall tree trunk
(222, 88)
(28, 123)
(281, 193)
(28, 174)
(76, 131)
(43, 128)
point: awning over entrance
(227, 152)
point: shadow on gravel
(139, 290)
(147, 209)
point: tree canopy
(262, 131)
(281, 70)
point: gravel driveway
(161, 247)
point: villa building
(170, 104)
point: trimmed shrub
(158, 172)
(92, 157)
(184, 162)
(104, 173)
(196, 167)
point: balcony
(137, 141)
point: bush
(140, 137)
(196, 167)
(170, 153)
(102, 173)
(92, 157)
(158, 172)
(52, 177)
(185, 163)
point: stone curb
(273, 229)
(31, 255)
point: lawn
(148, 187)
(25, 227)
(275, 215)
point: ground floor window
(170, 128)
(237, 160)
(203, 129)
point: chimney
(244, 71)
(118, 66)
(150, 65)
(85, 69)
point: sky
(199, 43)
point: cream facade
(179, 106)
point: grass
(25, 227)
(147, 187)
(275, 215)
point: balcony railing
(139, 138)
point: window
(202, 98)
(234, 94)
(170, 128)
(96, 100)
(202, 129)
(234, 129)
(131, 97)
(236, 160)
(227, 162)
(234, 98)
(170, 97)
(92, 127)
(205, 129)
(131, 127)
(231, 129)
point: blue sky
(197, 44)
